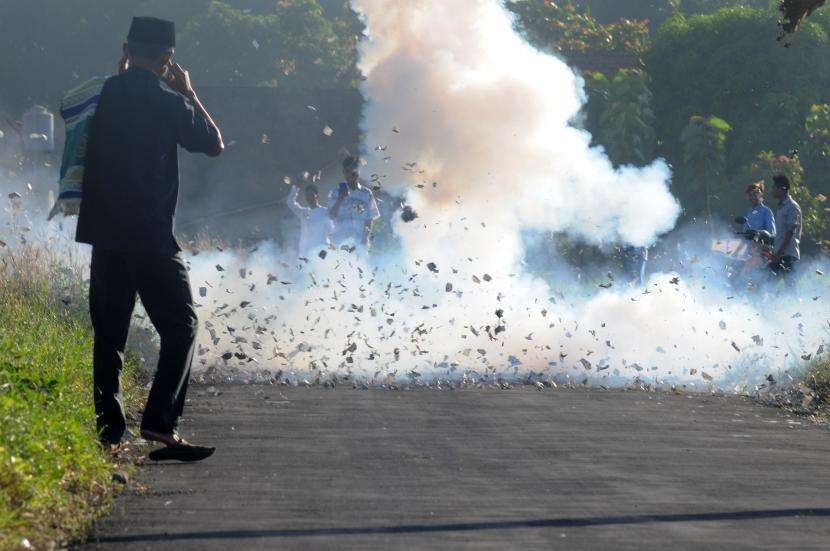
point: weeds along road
(311, 468)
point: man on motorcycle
(759, 217)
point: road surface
(315, 468)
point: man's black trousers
(162, 284)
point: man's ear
(124, 64)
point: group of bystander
(785, 226)
(345, 220)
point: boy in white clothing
(354, 209)
(316, 224)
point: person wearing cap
(788, 221)
(759, 217)
(131, 185)
(353, 209)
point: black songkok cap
(781, 181)
(151, 30)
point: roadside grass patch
(819, 380)
(54, 477)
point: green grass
(54, 477)
(819, 380)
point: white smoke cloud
(327, 319)
(452, 87)
(474, 126)
(24, 204)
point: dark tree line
(47, 47)
(716, 95)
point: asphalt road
(311, 468)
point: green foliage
(657, 11)
(621, 118)
(815, 219)
(564, 28)
(767, 164)
(704, 159)
(794, 12)
(296, 46)
(54, 477)
(730, 63)
(819, 379)
(815, 149)
(725, 61)
(48, 47)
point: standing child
(354, 209)
(315, 223)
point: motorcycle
(751, 257)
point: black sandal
(176, 449)
(171, 438)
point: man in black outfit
(129, 199)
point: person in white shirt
(354, 209)
(316, 224)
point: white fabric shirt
(357, 208)
(315, 225)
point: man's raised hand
(179, 80)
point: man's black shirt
(131, 183)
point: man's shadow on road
(470, 526)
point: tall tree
(657, 11)
(815, 149)
(621, 118)
(47, 46)
(794, 12)
(704, 159)
(729, 63)
(295, 46)
(563, 27)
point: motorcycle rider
(759, 217)
(759, 230)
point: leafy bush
(294, 46)
(815, 149)
(657, 11)
(704, 162)
(562, 27)
(620, 116)
(730, 63)
(819, 379)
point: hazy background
(651, 68)
(528, 172)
